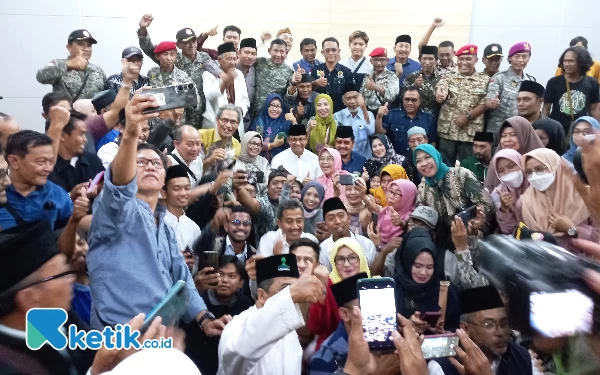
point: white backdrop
(34, 32)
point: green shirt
(474, 165)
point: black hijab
(555, 132)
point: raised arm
(144, 38)
(437, 22)
(59, 117)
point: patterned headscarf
(390, 156)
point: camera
(536, 275)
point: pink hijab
(515, 157)
(404, 208)
(327, 181)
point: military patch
(340, 74)
(514, 84)
(494, 48)
(85, 33)
(188, 31)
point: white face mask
(542, 181)
(512, 179)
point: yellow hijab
(356, 248)
(397, 172)
(317, 135)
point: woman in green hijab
(321, 130)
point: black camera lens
(180, 88)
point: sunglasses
(62, 274)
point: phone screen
(439, 347)
(378, 310)
(561, 314)
(171, 308)
(468, 214)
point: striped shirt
(115, 81)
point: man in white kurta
(219, 93)
(262, 340)
(300, 162)
(188, 149)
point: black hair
(292, 204)
(279, 42)
(330, 39)
(22, 141)
(446, 43)
(148, 146)
(584, 59)
(53, 98)
(75, 116)
(351, 137)
(239, 209)
(239, 266)
(307, 42)
(232, 28)
(308, 243)
(412, 89)
(579, 39)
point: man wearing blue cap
(134, 56)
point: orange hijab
(561, 198)
(397, 173)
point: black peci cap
(283, 265)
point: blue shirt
(397, 124)
(336, 80)
(132, 261)
(48, 201)
(304, 64)
(409, 67)
(362, 130)
(356, 163)
(82, 301)
(111, 136)
(332, 353)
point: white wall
(548, 25)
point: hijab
(442, 168)
(327, 181)
(320, 191)
(353, 245)
(246, 138)
(561, 198)
(317, 135)
(404, 208)
(590, 120)
(515, 157)
(271, 126)
(390, 156)
(394, 170)
(528, 141)
(555, 132)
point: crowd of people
(303, 177)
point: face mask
(541, 182)
(513, 179)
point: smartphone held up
(378, 310)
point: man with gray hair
(8, 126)
(290, 221)
(188, 152)
(219, 146)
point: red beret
(164, 46)
(379, 52)
(469, 49)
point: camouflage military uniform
(55, 73)
(158, 78)
(389, 81)
(504, 85)
(194, 69)
(270, 79)
(427, 90)
(464, 94)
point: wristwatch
(469, 117)
(572, 232)
(207, 316)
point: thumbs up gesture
(306, 179)
(383, 110)
(300, 109)
(493, 103)
(396, 220)
(81, 205)
(290, 117)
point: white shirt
(195, 166)
(327, 246)
(299, 167)
(268, 240)
(365, 68)
(186, 231)
(263, 341)
(216, 99)
(107, 153)
(229, 250)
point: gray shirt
(132, 261)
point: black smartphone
(347, 179)
(561, 314)
(431, 318)
(439, 346)
(171, 308)
(172, 97)
(230, 166)
(378, 309)
(468, 215)
(256, 177)
(210, 259)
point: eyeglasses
(583, 132)
(492, 326)
(326, 159)
(341, 260)
(62, 274)
(296, 140)
(394, 193)
(158, 164)
(330, 50)
(410, 100)
(246, 223)
(254, 144)
(226, 121)
(537, 170)
(275, 106)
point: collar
(346, 113)
(140, 78)
(212, 297)
(406, 114)
(408, 61)
(169, 214)
(434, 74)
(314, 63)
(352, 235)
(13, 332)
(229, 245)
(61, 164)
(38, 190)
